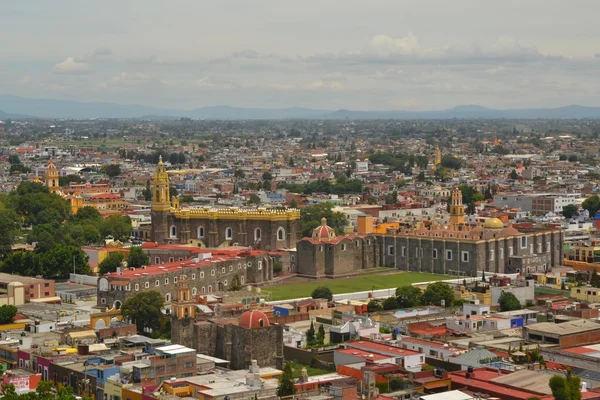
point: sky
(327, 54)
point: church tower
(51, 177)
(438, 156)
(183, 306)
(160, 203)
(457, 209)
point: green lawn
(311, 371)
(347, 285)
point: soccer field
(355, 284)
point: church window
(225, 282)
(157, 283)
(194, 291)
(209, 288)
(231, 268)
(539, 247)
(343, 247)
(171, 259)
(491, 255)
(166, 281)
(147, 285)
(223, 270)
(434, 254)
(202, 275)
(200, 232)
(390, 250)
(242, 280)
(193, 277)
(228, 234)
(280, 234)
(524, 242)
(173, 231)
(137, 286)
(510, 251)
(464, 256)
(449, 255)
(212, 272)
(168, 297)
(175, 280)
(257, 234)
(259, 264)
(501, 254)
(156, 260)
(203, 290)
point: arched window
(203, 290)
(228, 234)
(200, 232)
(209, 288)
(173, 231)
(261, 323)
(280, 234)
(168, 297)
(117, 304)
(257, 234)
(194, 291)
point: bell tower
(438, 156)
(160, 203)
(51, 177)
(457, 209)
(183, 306)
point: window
(501, 254)
(209, 288)
(168, 297)
(259, 265)
(510, 251)
(368, 242)
(539, 248)
(166, 281)
(193, 277)
(200, 232)
(434, 254)
(257, 234)
(202, 275)
(402, 251)
(231, 268)
(173, 231)
(146, 285)
(524, 242)
(223, 270)
(242, 280)
(416, 252)
(157, 283)
(171, 259)
(357, 243)
(320, 248)
(225, 282)
(464, 256)
(343, 247)
(203, 290)
(491, 255)
(194, 291)
(103, 301)
(449, 255)
(391, 250)
(228, 234)
(175, 280)
(280, 234)
(547, 247)
(249, 265)
(137, 286)
(212, 272)
(156, 260)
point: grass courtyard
(354, 284)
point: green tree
(508, 302)
(513, 175)
(310, 218)
(436, 292)
(277, 267)
(111, 170)
(321, 335)
(570, 210)
(322, 292)
(409, 296)
(286, 386)
(238, 173)
(254, 199)
(565, 388)
(592, 204)
(449, 161)
(117, 226)
(147, 192)
(374, 305)
(9, 221)
(61, 260)
(137, 257)
(390, 303)
(68, 179)
(7, 313)
(235, 283)
(113, 261)
(310, 335)
(144, 309)
(595, 279)
(267, 176)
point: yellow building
(457, 209)
(51, 177)
(586, 293)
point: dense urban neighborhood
(327, 259)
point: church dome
(323, 231)
(254, 319)
(510, 231)
(493, 223)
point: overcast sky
(329, 54)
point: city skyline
(384, 56)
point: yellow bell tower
(51, 177)
(183, 306)
(160, 186)
(438, 156)
(457, 209)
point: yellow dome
(493, 223)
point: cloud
(210, 82)
(281, 87)
(130, 79)
(389, 73)
(72, 67)
(102, 52)
(25, 80)
(388, 45)
(496, 70)
(320, 84)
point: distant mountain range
(24, 108)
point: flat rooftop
(565, 328)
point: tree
(113, 261)
(570, 210)
(235, 283)
(267, 176)
(137, 257)
(111, 170)
(145, 309)
(509, 302)
(321, 335)
(117, 226)
(595, 279)
(374, 306)
(409, 296)
(7, 313)
(277, 267)
(573, 158)
(310, 335)
(238, 173)
(592, 204)
(254, 199)
(66, 180)
(147, 192)
(286, 386)
(322, 292)
(61, 260)
(9, 221)
(390, 303)
(513, 175)
(310, 218)
(449, 161)
(436, 292)
(565, 388)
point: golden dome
(493, 223)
